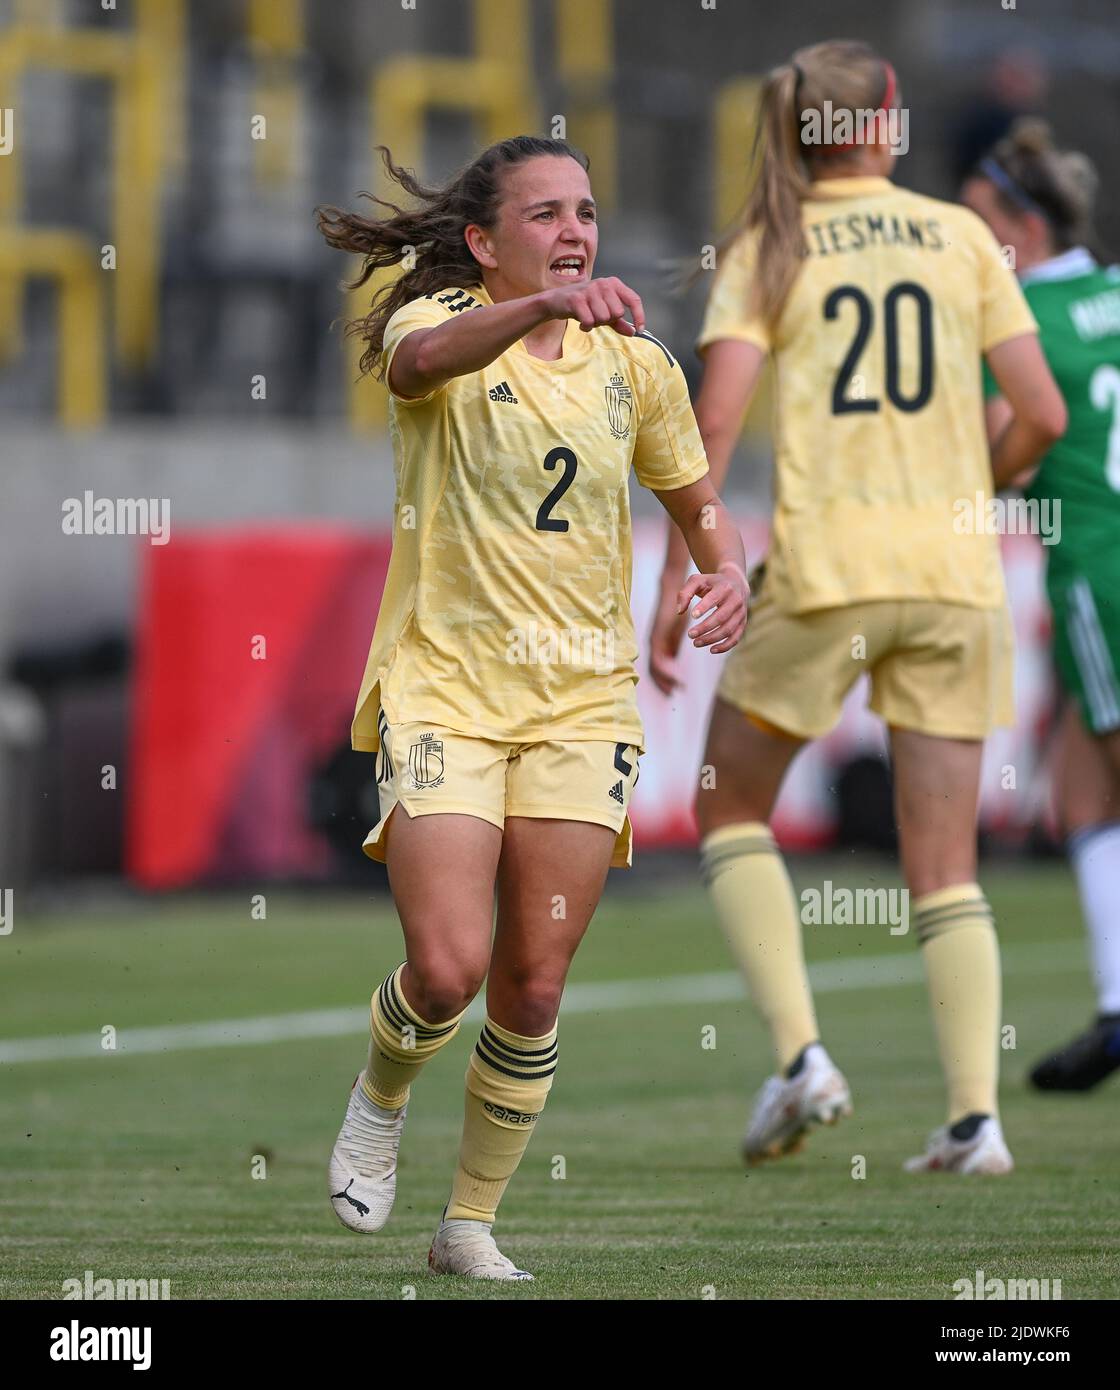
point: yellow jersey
(879, 420)
(506, 609)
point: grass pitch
(141, 1166)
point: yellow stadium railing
(584, 33)
(163, 25)
(736, 118)
(402, 93)
(71, 261)
(736, 121)
(131, 65)
(585, 60)
(276, 34)
(503, 33)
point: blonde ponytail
(844, 73)
(774, 207)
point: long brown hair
(849, 75)
(432, 231)
(1030, 174)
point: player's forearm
(1038, 412)
(719, 445)
(1019, 447)
(713, 539)
(467, 343)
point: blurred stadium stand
(133, 130)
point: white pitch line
(722, 987)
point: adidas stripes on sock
(961, 954)
(400, 1043)
(508, 1080)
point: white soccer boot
(363, 1169)
(983, 1151)
(788, 1105)
(467, 1247)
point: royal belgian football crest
(425, 761)
(620, 405)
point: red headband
(888, 94)
(885, 105)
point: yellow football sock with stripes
(400, 1043)
(508, 1080)
(961, 953)
(747, 878)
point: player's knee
(1080, 807)
(440, 990)
(531, 1008)
(715, 806)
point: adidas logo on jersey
(616, 792)
(501, 392)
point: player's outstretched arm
(716, 546)
(731, 372)
(429, 357)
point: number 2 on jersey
(545, 520)
(1104, 393)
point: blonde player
(875, 305)
(499, 690)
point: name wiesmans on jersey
(860, 231)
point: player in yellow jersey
(875, 305)
(499, 691)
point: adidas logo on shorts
(616, 792)
(501, 392)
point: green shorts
(1086, 609)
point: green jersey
(1077, 305)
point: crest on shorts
(620, 405)
(425, 761)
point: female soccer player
(876, 305)
(499, 690)
(1038, 200)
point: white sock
(1095, 854)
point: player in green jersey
(1039, 200)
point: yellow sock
(400, 1043)
(754, 902)
(961, 953)
(508, 1080)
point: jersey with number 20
(506, 610)
(880, 447)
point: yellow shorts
(432, 771)
(938, 668)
